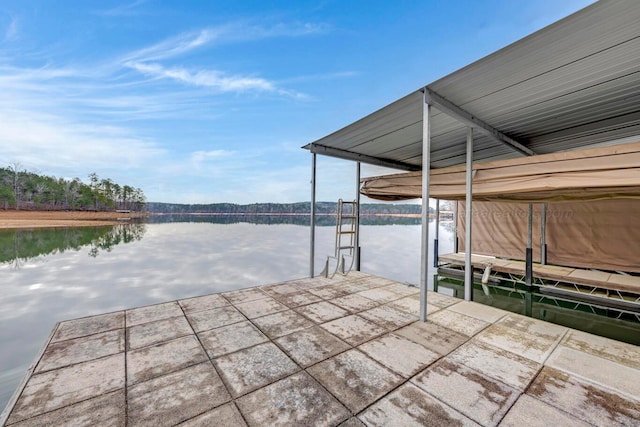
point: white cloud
(58, 119)
(247, 31)
(206, 78)
(45, 142)
(228, 33)
(173, 46)
(324, 76)
(128, 9)
(11, 33)
(206, 159)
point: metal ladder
(346, 240)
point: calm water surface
(54, 275)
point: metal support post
(528, 280)
(357, 220)
(543, 235)
(313, 216)
(455, 228)
(436, 234)
(426, 166)
(468, 267)
(528, 303)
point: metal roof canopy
(572, 84)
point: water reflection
(303, 220)
(18, 246)
(168, 261)
(620, 325)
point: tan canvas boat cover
(592, 174)
(602, 234)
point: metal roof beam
(356, 157)
(469, 119)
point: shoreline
(12, 219)
(20, 219)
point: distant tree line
(302, 219)
(20, 189)
(281, 208)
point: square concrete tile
(432, 336)
(388, 317)
(380, 295)
(353, 287)
(69, 352)
(612, 375)
(282, 323)
(177, 397)
(479, 311)
(411, 305)
(207, 302)
(249, 369)
(260, 307)
(353, 422)
(311, 346)
(483, 399)
(282, 289)
(297, 400)
(88, 326)
(231, 338)
(106, 410)
(402, 289)
(408, 406)
(354, 303)
(373, 282)
(531, 412)
(534, 327)
(157, 332)
(225, 415)
(329, 292)
(529, 338)
(509, 368)
(616, 351)
(585, 400)
(461, 323)
(354, 329)
(244, 295)
(399, 354)
(440, 300)
(153, 313)
(297, 299)
(160, 359)
(321, 312)
(65, 386)
(215, 318)
(355, 379)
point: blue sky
(210, 101)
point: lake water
(53, 275)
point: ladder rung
(348, 216)
(346, 232)
(345, 247)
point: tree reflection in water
(18, 246)
(322, 220)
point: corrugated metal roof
(573, 84)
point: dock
(620, 289)
(347, 351)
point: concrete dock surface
(348, 351)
